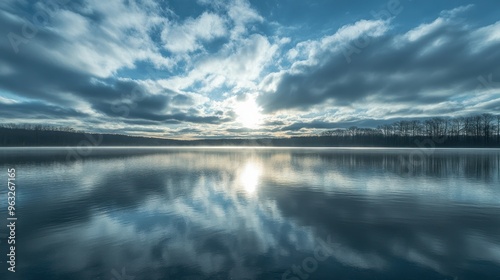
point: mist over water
(257, 213)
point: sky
(211, 69)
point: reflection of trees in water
(482, 165)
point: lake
(253, 213)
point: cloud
(456, 11)
(37, 110)
(236, 63)
(189, 36)
(106, 36)
(68, 68)
(238, 66)
(142, 113)
(429, 64)
(313, 124)
(128, 65)
(241, 13)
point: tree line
(478, 129)
(39, 127)
(472, 131)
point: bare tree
(498, 128)
(416, 128)
(486, 125)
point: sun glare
(250, 177)
(248, 113)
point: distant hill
(17, 137)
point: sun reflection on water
(250, 177)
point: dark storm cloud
(393, 69)
(143, 113)
(33, 76)
(34, 110)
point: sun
(249, 113)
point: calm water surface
(246, 213)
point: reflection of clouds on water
(212, 228)
(438, 237)
(245, 214)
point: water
(245, 213)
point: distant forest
(473, 131)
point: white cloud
(456, 11)
(424, 29)
(238, 65)
(188, 36)
(487, 35)
(308, 52)
(120, 39)
(7, 100)
(241, 13)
